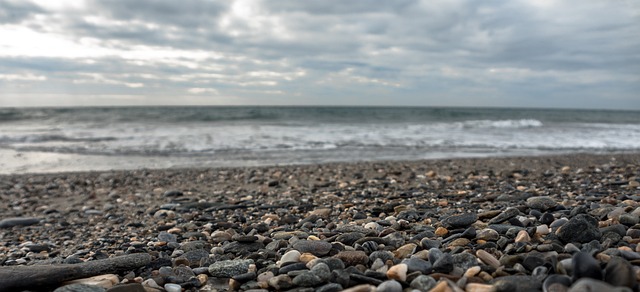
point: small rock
(398, 272)
(588, 284)
(307, 279)
(18, 221)
(280, 282)
(389, 286)
(542, 203)
(229, 268)
(352, 257)
(462, 220)
(104, 281)
(292, 256)
(169, 287)
(423, 283)
(315, 247)
(80, 288)
(132, 287)
(619, 272)
(582, 228)
(488, 258)
(585, 266)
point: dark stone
(619, 272)
(582, 228)
(245, 277)
(340, 277)
(236, 247)
(195, 256)
(18, 221)
(547, 218)
(532, 261)
(444, 264)
(504, 216)
(18, 278)
(79, 288)
(229, 268)
(292, 267)
(364, 279)
(132, 287)
(307, 279)
(173, 193)
(585, 266)
(349, 238)
(464, 260)
(462, 220)
(384, 255)
(541, 203)
(331, 287)
(516, 283)
(416, 264)
(315, 247)
(556, 279)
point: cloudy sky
(536, 53)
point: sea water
(90, 138)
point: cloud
(409, 52)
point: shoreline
(101, 163)
(474, 223)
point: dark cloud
(16, 12)
(417, 51)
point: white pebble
(172, 288)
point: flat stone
(307, 279)
(132, 287)
(542, 203)
(516, 283)
(588, 284)
(352, 258)
(315, 247)
(18, 221)
(389, 286)
(504, 216)
(459, 221)
(80, 288)
(229, 268)
(423, 283)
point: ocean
(103, 138)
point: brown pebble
(352, 257)
(398, 272)
(488, 258)
(523, 236)
(459, 242)
(442, 286)
(405, 250)
(361, 288)
(477, 287)
(441, 231)
(470, 272)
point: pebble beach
(546, 223)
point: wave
(42, 138)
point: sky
(495, 53)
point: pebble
(398, 272)
(462, 220)
(315, 247)
(389, 286)
(229, 268)
(390, 228)
(172, 287)
(542, 203)
(488, 258)
(352, 258)
(80, 288)
(19, 221)
(582, 228)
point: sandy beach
(490, 224)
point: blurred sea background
(103, 138)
